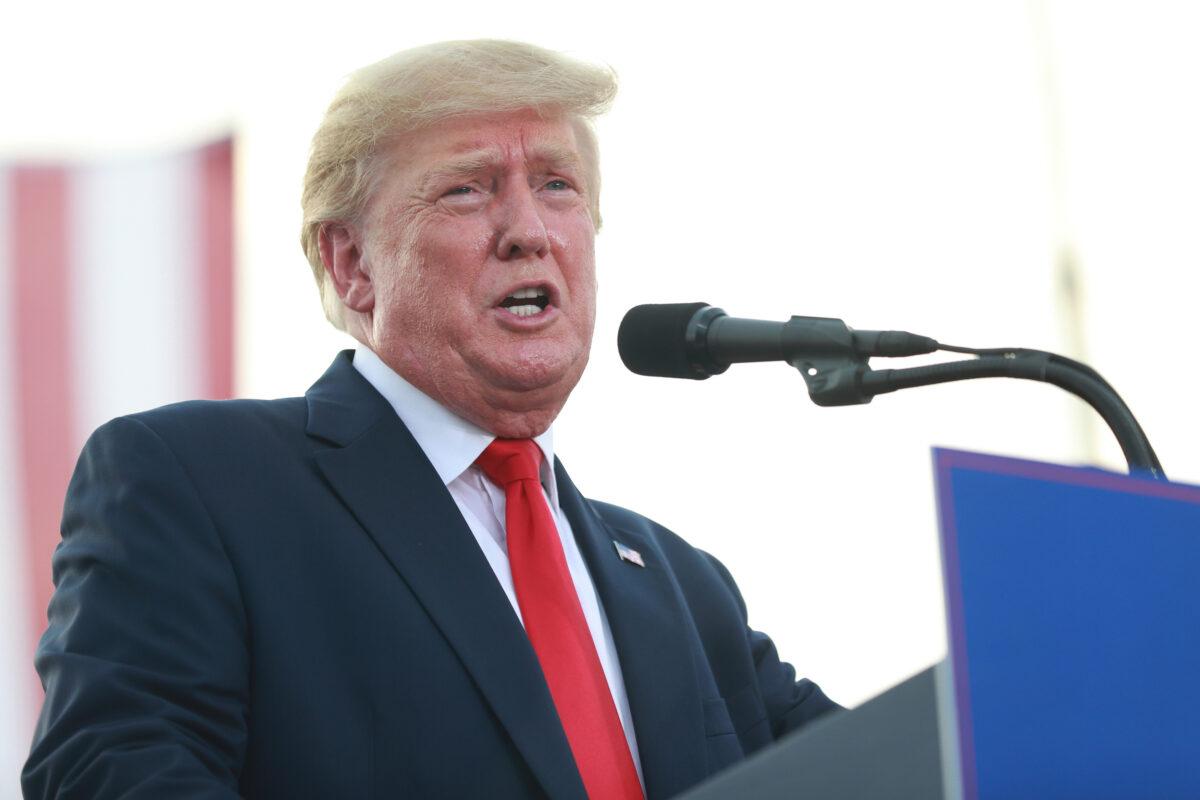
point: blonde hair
(416, 88)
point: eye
(460, 190)
(558, 185)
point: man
(389, 587)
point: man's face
(479, 243)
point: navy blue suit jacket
(281, 599)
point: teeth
(528, 294)
(518, 309)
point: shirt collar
(450, 442)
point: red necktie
(555, 624)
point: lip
(552, 293)
(533, 321)
(525, 324)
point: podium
(888, 747)
(1073, 619)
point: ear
(342, 255)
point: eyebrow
(557, 156)
(461, 167)
(553, 155)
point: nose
(522, 231)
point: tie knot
(508, 460)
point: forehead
(499, 139)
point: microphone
(696, 340)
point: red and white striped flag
(118, 297)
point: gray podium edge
(901, 744)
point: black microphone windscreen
(652, 339)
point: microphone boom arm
(697, 340)
(846, 379)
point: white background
(918, 165)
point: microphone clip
(830, 362)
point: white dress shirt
(452, 444)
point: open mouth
(526, 302)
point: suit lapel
(383, 477)
(655, 646)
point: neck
(507, 415)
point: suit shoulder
(208, 425)
(623, 519)
(222, 414)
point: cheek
(451, 257)
(573, 229)
(408, 308)
(575, 244)
(406, 296)
(585, 278)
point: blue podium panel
(1073, 598)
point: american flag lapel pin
(629, 554)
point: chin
(537, 369)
